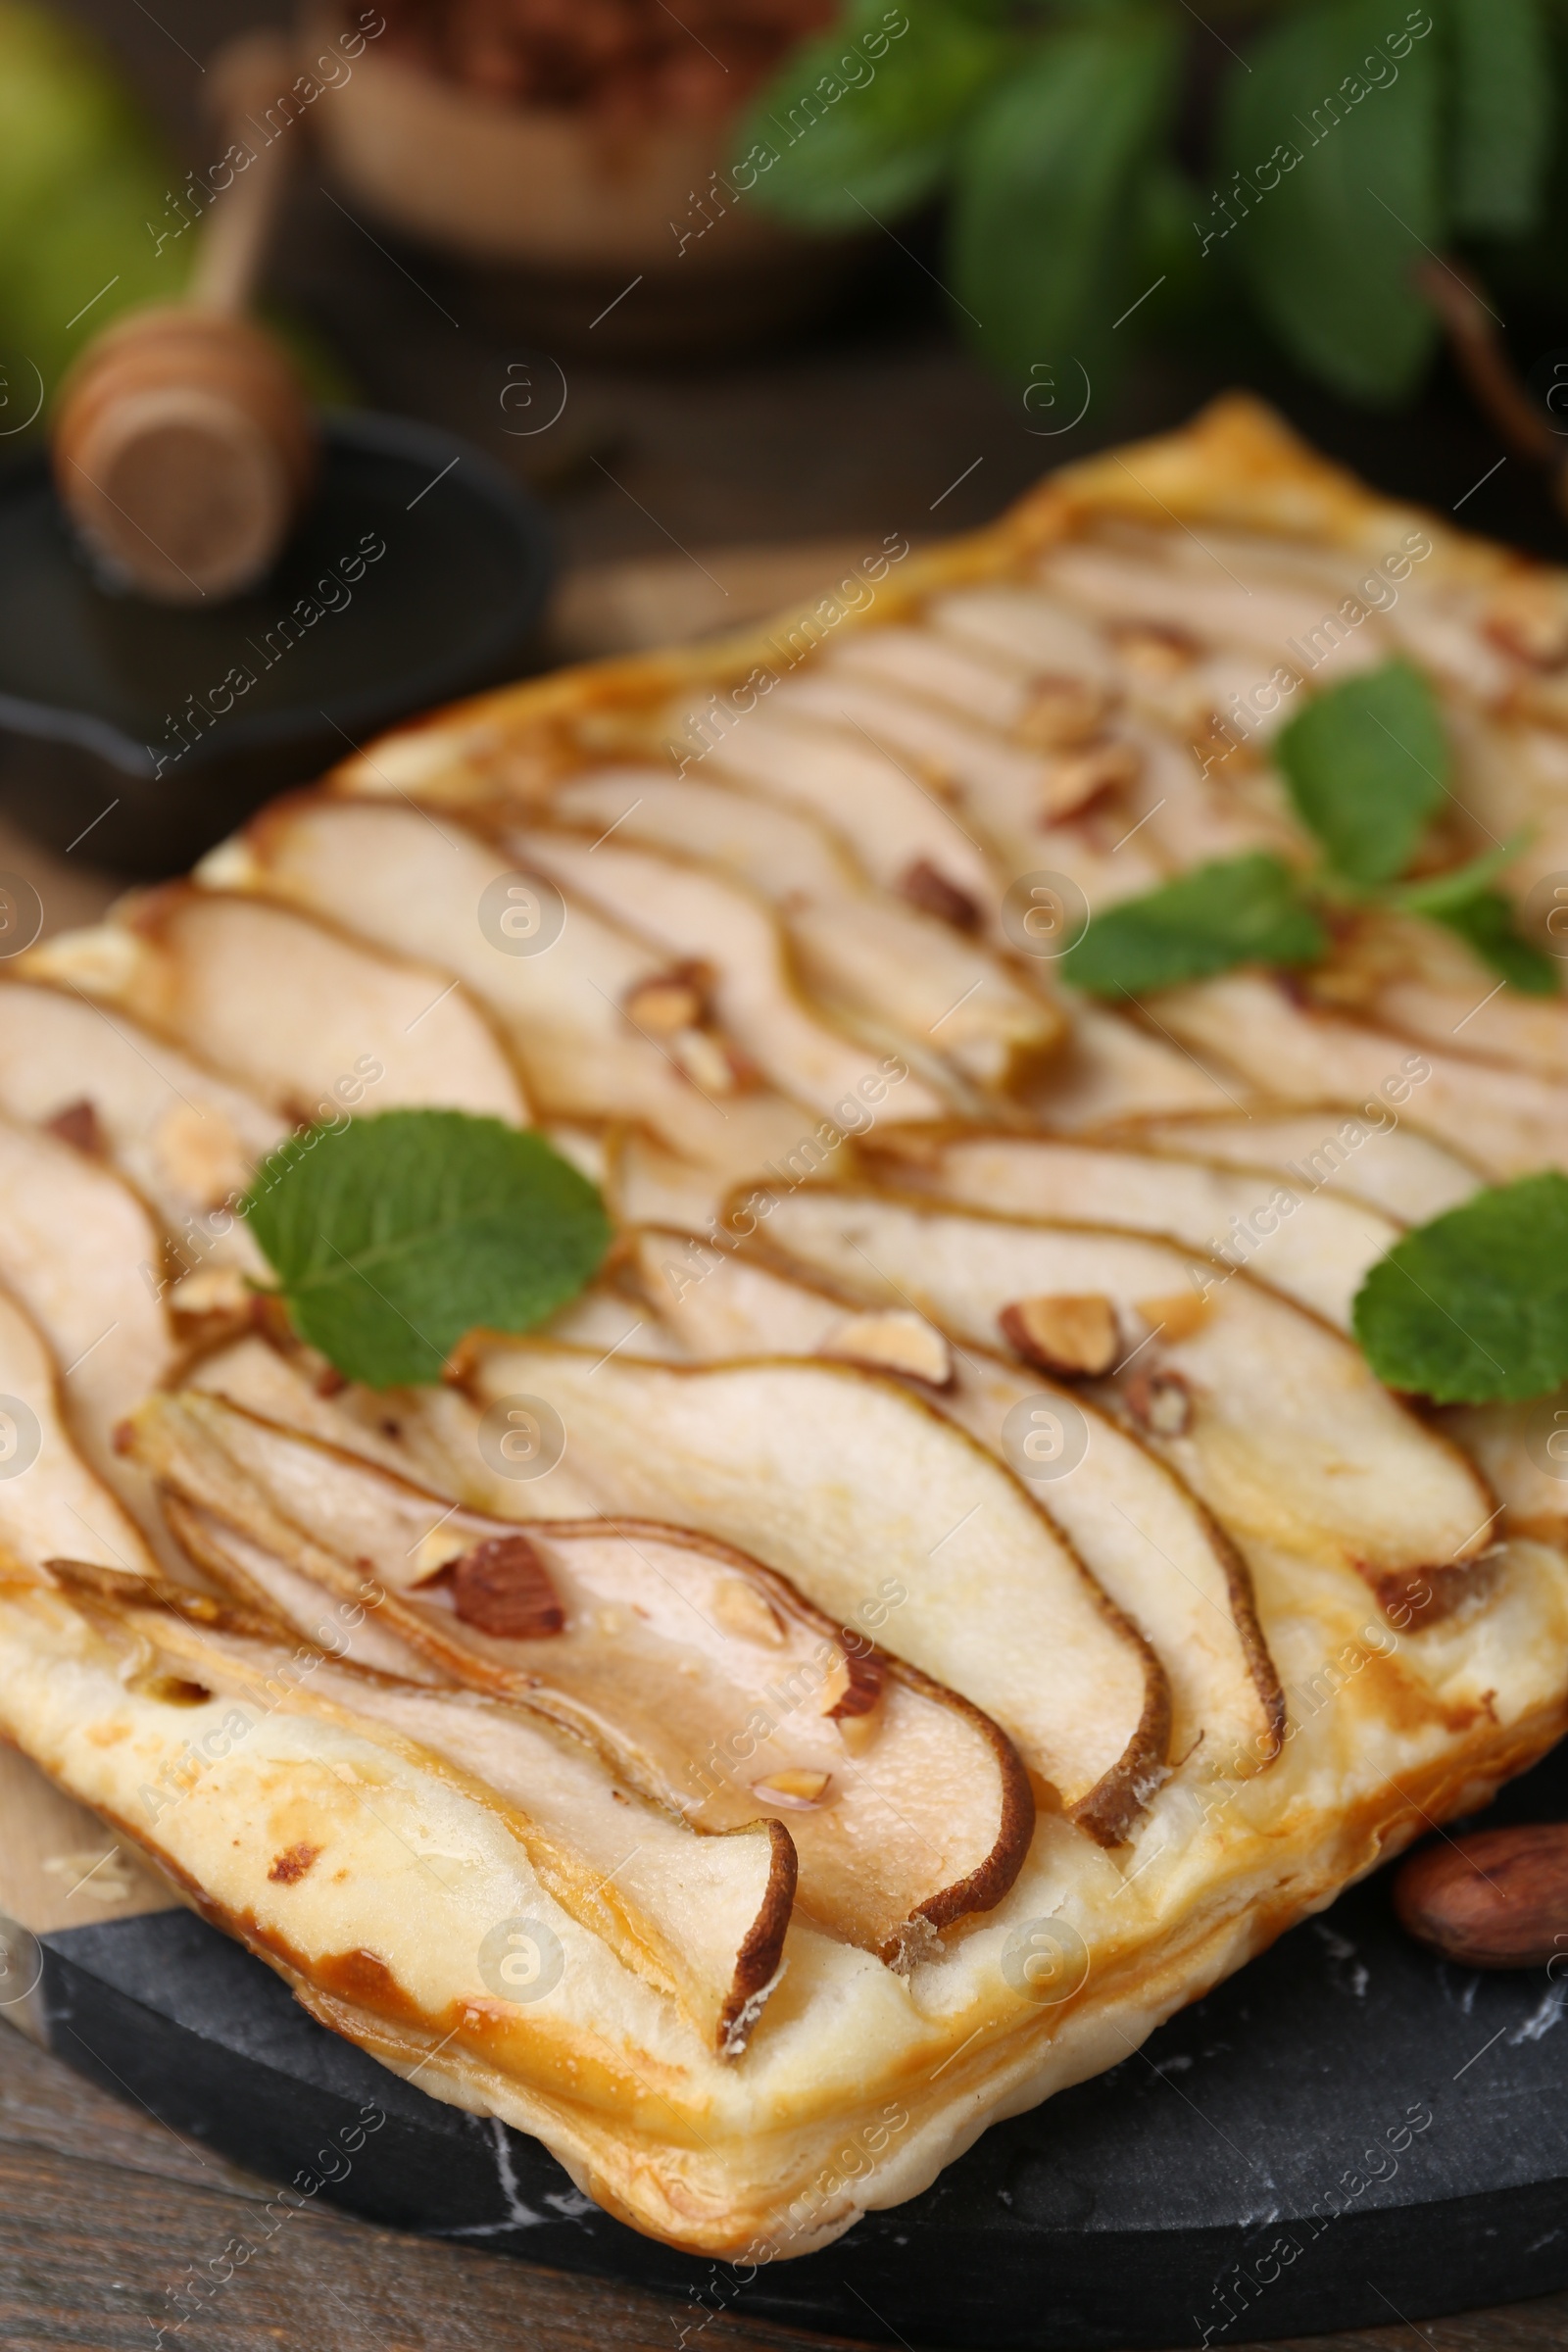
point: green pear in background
(86, 188)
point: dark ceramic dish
(130, 728)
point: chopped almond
(1161, 1403)
(1177, 1316)
(201, 1154)
(1155, 649)
(854, 1686)
(925, 886)
(897, 1341)
(1070, 1335)
(745, 1611)
(78, 1124)
(705, 1062)
(1528, 617)
(1062, 710)
(859, 1733)
(503, 1588)
(669, 1001)
(211, 1291)
(799, 1791)
(1076, 779)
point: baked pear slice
(591, 1019)
(185, 1140)
(899, 830)
(1315, 1248)
(902, 977)
(704, 1678)
(312, 1022)
(727, 943)
(1147, 1542)
(1358, 1151)
(703, 1919)
(83, 1257)
(50, 1503)
(1272, 1418)
(1512, 1122)
(1111, 1070)
(882, 1513)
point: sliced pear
(1273, 1419)
(1147, 1541)
(685, 912)
(187, 1140)
(1315, 1248)
(1511, 1122)
(431, 1435)
(1420, 981)
(902, 977)
(1358, 1152)
(80, 1254)
(382, 869)
(919, 1811)
(1034, 632)
(1111, 1070)
(880, 1511)
(894, 820)
(939, 668)
(50, 1503)
(312, 1022)
(1004, 784)
(702, 1918)
(1133, 583)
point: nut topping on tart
(1074, 780)
(504, 1589)
(77, 1123)
(925, 886)
(1062, 710)
(897, 1341)
(1073, 1335)
(670, 1001)
(1161, 1401)
(799, 1791)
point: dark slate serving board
(1217, 2185)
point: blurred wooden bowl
(557, 216)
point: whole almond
(503, 1588)
(1495, 1900)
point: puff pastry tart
(943, 1633)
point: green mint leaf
(1367, 765)
(1330, 186)
(393, 1236)
(1238, 910)
(1502, 110)
(1049, 211)
(1485, 923)
(864, 120)
(1439, 891)
(1474, 1306)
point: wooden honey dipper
(182, 442)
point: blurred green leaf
(1235, 910)
(1485, 921)
(1503, 104)
(852, 131)
(1046, 218)
(82, 170)
(1329, 244)
(1367, 765)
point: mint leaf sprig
(393, 1236)
(1473, 1307)
(1367, 766)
